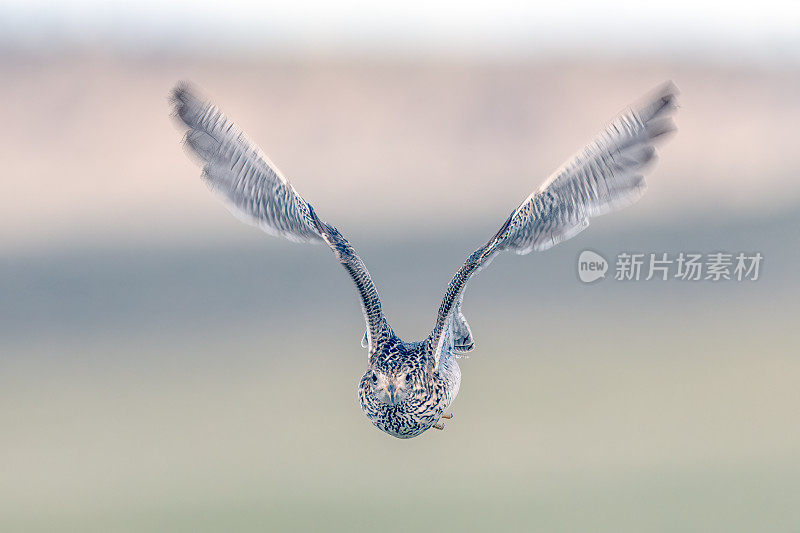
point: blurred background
(149, 341)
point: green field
(167, 402)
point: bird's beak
(391, 390)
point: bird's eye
(374, 377)
(408, 378)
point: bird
(409, 387)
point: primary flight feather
(409, 386)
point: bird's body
(409, 386)
(430, 393)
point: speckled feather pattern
(409, 386)
(432, 391)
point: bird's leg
(440, 425)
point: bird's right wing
(604, 176)
(254, 190)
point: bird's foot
(440, 425)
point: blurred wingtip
(656, 110)
(666, 93)
(667, 87)
(187, 105)
(181, 92)
(662, 100)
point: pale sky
(112, 167)
(761, 31)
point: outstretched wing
(255, 191)
(605, 176)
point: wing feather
(606, 175)
(256, 192)
(251, 186)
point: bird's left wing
(604, 176)
(254, 190)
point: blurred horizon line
(787, 60)
(236, 235)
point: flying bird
(408, 387)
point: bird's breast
(404, 420)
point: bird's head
(389, 386)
